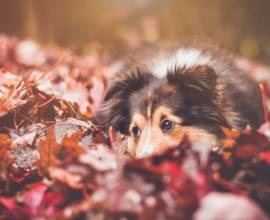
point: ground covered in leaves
(56, 164)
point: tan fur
(159, 141)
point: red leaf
(34, 196)
(265, 156)
(9, 203)
(52, 199)
(246, 152)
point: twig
(264, 103)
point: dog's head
(157, 113)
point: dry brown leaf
(73, 180)
(230, 133)
(48, 149)
(12, 99)
(5, 143)
(71, 145)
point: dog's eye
(136, 131)
(167, 125)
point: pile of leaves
(56, 164)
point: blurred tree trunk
(30, 19)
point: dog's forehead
(150, 98)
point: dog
(166, 93)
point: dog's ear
(115, 111)
(198, 79)
(199, 88)
(127, 83)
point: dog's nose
(146, 150)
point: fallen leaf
(5, 143)
(265, 156)
(34, 196)
(48, 149)
(70, 144)
(9, 203)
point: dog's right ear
(200, 79)
(115, 110)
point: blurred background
(115, 26)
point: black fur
(197, 85)
(116, 108)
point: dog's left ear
(200, 79)
(199, 88)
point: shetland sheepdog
(166, 93)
